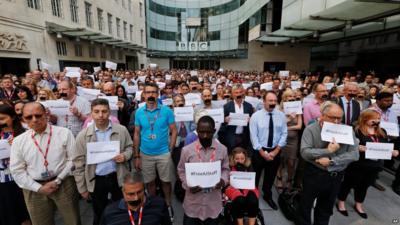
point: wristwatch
(58, 181)
(331, 163)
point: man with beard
(152, 143)
(203, 205)
(97, 181)
(206, 97)
(312, 109)
(349, 105)
(136, 207)
(268, 133)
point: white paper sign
(161, 85)
(5, 148)
(238, 119)
(395, 107)
(343, 134)
(88, 94)
(138, 96)
(284, 73)
(205, 175)
(96, 68)
(112, 101)
(183, 114)
(379, 150)
(111, 65)
(253, 101)
(392, 129)
(103, 151)
(246, 85)
(153, 66)
(142, 79)
(329, 86)
(168, 77)
(192, 98)
(216, 114)
(293, 107)
(73, 72)
(266, 86)
(167, 101)
(295, 85)
(132, 89)
(193, 73)
(57, 107)
(243, 180)
(218, 103)
(45, 66)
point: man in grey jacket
(325, 167)
(97, 180)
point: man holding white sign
(203, 205)
(325, 165)
(97, 180)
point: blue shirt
(259, 129)
(110, 166)
(162, 117)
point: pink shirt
(203, 205)
(311, 111)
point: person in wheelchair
(244, 201)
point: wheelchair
(226, 217)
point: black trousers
(359, 178)
(323, 186)
(270, 169)
(396, 182)
(196, 221)
(103, 186)
(245, 204)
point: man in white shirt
(79, 110)
(41, 164)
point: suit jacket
(226, 133)
(355, 108)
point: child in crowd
(243, 200)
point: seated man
(136, 207)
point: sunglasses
(30, 117)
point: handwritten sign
(266, 86)
(295, 84)
(392, 129)
(102, 151)
(192, 98)
(379, 150)
(343, 134)
(112, 101)
(73, 72)
(253, 101)
(293, 107)
(96, 69)
(111, 65)
(216, 114)
(329, 86)
(167, 101)
(218, 103)
(57, 107)
(5, 149)
(183, 114)
(205, 175)
(88, 94)
(243, 180)
(284, 73)
(193, 73)
(238, 119)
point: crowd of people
(48, 167)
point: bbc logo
(192, 46)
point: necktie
(348, 113)
(182, 130)
(270, 131)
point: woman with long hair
(12, 205)
(361, 174)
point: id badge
(47, 175)
(152, 136)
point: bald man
(349, 104)
(41, 164)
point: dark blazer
(226, 133)
(355, 108)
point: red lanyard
(376, 140)
(71, 103)
(140, 216)
(46, 163)
(9, 97)
(212, 157)
(2, 134)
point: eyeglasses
(334, 118)
(30, 117)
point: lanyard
(9, 97)
(2, 134)
(66, 116)
(153, 121)
(140, 216)
(212, 157)
(46, 163)
(376, 140)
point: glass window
(162, 35)
(56, 8)
(140, 9)
(118, 22)
(125, 30)
(34, 4)
(130, 5)
(78, 50)
(131, 32)
(61, 48)
(100, 19)
(109, 20)
(88, 12)
(141, 36)
(112, 54)
(92, 52)
(74, 10)
(103, 53)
